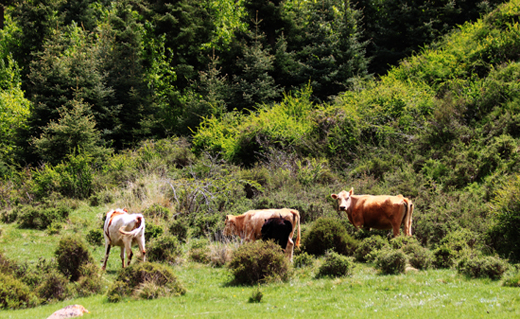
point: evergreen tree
(254, 83)
(73, 133)
(68, 68)
(329, 53)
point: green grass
(426, 294)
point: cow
(278, 229)
(248, 226)
(378, 212)
(123, 229)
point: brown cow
(248, 226)
(378, 212)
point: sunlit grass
(425, 294)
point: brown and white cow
(378, 212)
(123, 229)
(248, 226)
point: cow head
(344, 199)
(230, 228)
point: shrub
(302, 260)
(402, 241)
(504, 235)
(369, 245)
(512, 281)
(256, 296)
(145, 280)
(391, 261)
(165, 248)
(336, 265)
(71, 254)
(220, 254)
(54, 228)
(90, 282)
(199, 251)
(179, 228)
(14, 294)
(418, 256)
(482, 267)
(326, 234)
(444, 257)
(8, 216)
(152, 231)
(258, 261)
(54, 287)
(157, 211)
(95, 237)
(41, 217)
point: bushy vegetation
(391, 261)
(71, 255)
(328, 234)
(335, 265)
(368, 248)
(482, 267)
(145, 281)
(257, 262)
(165, 248)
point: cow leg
(140, 242)
(123, 256)
(130, 254)
(396, 229)
(289, 249)
(107, 252)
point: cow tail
(408, 216)
(296, 215)
(140, 226)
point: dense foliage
(190, 111)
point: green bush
(504, 235)
(444, 257)
(14, 294)
(418, 256)
(326, 234)
(391, 261)
(8, 216)
(145, 281)
(165, 248)
(41, 217)
(71, 255)
(512, 281)
(482, 267)
(152, 231)
(95, 237)
(180, 229)
(303, 259)
(157, 211)
(258, 261)
(54, 228)
(335, 265)
(199, 251)
(90, 282)
(369, 245)
(54, 287)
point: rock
(69, 312)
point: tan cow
(378, 212)
(248, 226)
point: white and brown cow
(123, 230)
(248, 226)
(378, 212)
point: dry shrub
(220, 254)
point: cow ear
(334, 196)
(351, 191)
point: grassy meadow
(210, 294)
